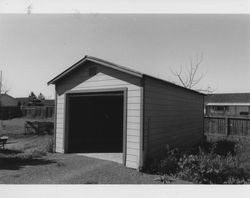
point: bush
(222, 147)
(165, 164)
(211, 168)
(214, 164)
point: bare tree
(191, 76)
(5, 89)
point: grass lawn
(15, 126)
(27, 160)
(71, 169)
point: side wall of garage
(93, 76)
(173, 116)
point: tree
(191, 76)
(41, 97)
(32, 96)
(34, 100)
(4, 89)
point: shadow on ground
(15, 160)
(9, 152)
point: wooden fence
(7, 113)
(38, 112)
(227, 126)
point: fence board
(227, 126)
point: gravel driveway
(72, 169)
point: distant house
(9, 107)
(7, 101)
(231, 104)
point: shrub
(216, 163)
(211, 168)
(224, 147)
(167, 163)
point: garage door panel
(96, 123)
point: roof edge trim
(175, 85)
(98, 61)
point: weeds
(217, 163)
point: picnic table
(38, 127)
(3, 141)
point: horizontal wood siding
(60, 124)
(104, 79)
(173, 116)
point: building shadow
(15, 160)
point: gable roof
(113, 66)
(228, 98)
(96, 60)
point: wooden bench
(38, 127)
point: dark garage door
(95, 122)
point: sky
(34, 48)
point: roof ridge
(117, 65)
(113, 66)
